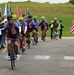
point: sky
(51, 1)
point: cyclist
(29, 22)
(35, 27)
(12, 31)
(44, 26)
(55, 25)
(23, 32)
(19, 25)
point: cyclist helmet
(55, 18)
(35, 17)
(14, 16)
(29, 16)
(21, 19)
(9, 17)
(43, 17)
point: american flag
(72, 28)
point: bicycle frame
(34, 39)
(55, 35)
(44, 34)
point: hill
(64, 12)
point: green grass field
(65, 12)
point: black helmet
(9, 17)
(29, 16)
(60, 20)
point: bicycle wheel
(28, 45)
(56, 36)
(44, 36)
(12, 57)
(12, 64)
(33, 41)
(53, 35)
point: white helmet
(55, 18)
(43, 17)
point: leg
(0, 40)
(24, 39)
(42, 33)
(16, 52)
(20, 38)
(60, 34)
(51, 35)
(16, 44)
(34, 32)
(24, 42)
(8, 46)
(37, 35)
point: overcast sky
(51, 1)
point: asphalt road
(52, 57)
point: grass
(65, 12)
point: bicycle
(44, 35)
(28, 41)
(12, 54)
(34, 40)
(55, 34)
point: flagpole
(6, 10)
(10, 9)
(0, 11)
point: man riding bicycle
(54, 25)
(35, 27)
(29, 22)
(23, 33)
(44, 26)
(12, 31)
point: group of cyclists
(18, 29)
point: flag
(10, 10)
(72, 28)
(27, 12)
(19, 13)
(6, 10)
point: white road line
(6, 57)
(68, 57)
(42, 57)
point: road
(52, 57)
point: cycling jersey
(12, 29)
(55, 24)
(23, 27)
(29, 25)
(43, 24)
(36, 24)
